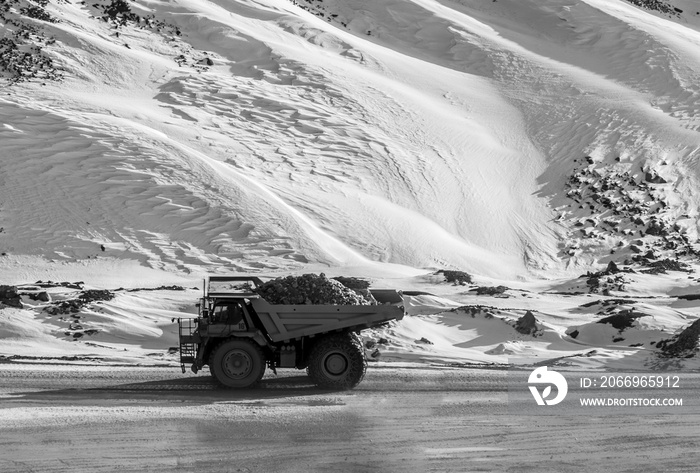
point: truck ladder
(188, 347)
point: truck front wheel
(337, 362)
(237, 363)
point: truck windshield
(227, 314)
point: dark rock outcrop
(527, 324)
(684, 345)
(10, 297)
(654, 178)
(456, 277)
(623, 319)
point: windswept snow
(425, 134)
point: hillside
(196, 136)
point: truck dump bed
(286, 322)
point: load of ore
(358, 285)
(309, 289)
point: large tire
(337, 362)
(237, 363)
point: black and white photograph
(380, 236)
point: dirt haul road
(70, 418)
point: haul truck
(238, 334)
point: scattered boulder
(663, 265)
(22, 54)
(456, 277)
(71, 285)
(604, 282)
(65, 307)
(474, 310)
(92, 295)
(656, 228)
(623, 319)
(624, 204)
(654, 178)
(612, 268)
(159, 288)
(42, 296)
(10, 297)
(491, 291)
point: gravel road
(92, 418)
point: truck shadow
(194, 388)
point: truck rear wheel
(237, 363)
(337, 362)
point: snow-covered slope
(414, 132)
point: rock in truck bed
(310, 289)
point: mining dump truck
(238, 334)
